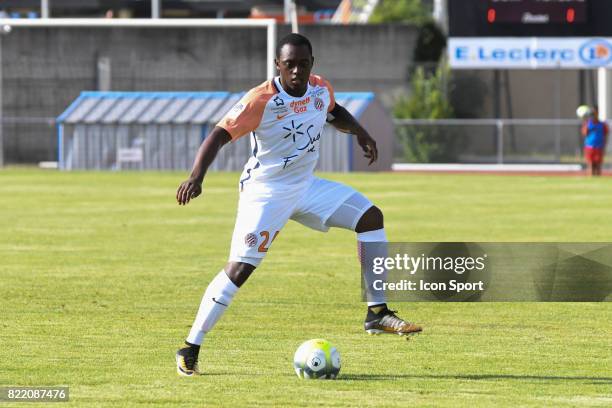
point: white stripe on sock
(378, 235)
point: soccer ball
(317, 359)
(583, 111)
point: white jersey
(285, 133)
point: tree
(400, 11)
(428, 100)
(430, 43)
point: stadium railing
(486, 141)
(489, 141)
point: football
(583, 111)
(317, 359)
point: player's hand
(369, 147)
(188, 189)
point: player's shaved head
(293, 39)
(294, 62)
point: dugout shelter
(163, 130)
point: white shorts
(260, 218)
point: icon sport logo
(596, 52)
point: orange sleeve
(319, 80)
(246, 115)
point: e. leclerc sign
(534, 52)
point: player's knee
(371, 220)
(239, 272)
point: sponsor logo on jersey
(294, 131)
(250, 240)
(319, 104)
(279, 110)
(300, 106)
(278, 101)
(316, 92)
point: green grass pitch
(102, 273)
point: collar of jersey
(282, 91)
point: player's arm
(342, 120)
(192, 187)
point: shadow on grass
(473, 377)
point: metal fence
(499, 141)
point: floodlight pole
(1, 110)
(604, 99)
(558, 113)
(4, 30)
(294, 18)
(291, 15)
(440, 14)
(271, 50)
(287, 10)
(44, 9)
(155, 9)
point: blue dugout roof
(123, 108)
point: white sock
(218, 296)
(378, 235)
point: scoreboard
(537, 11)
(530, 18)
(530, 34)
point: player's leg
(379, 318)
(370, 230)
(257, 224)
(329, 204)
(217, 298)
(597, 159)
(371, 220)
(588, 156)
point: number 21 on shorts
(265, 244)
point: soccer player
(284, 117)
(595, 135)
